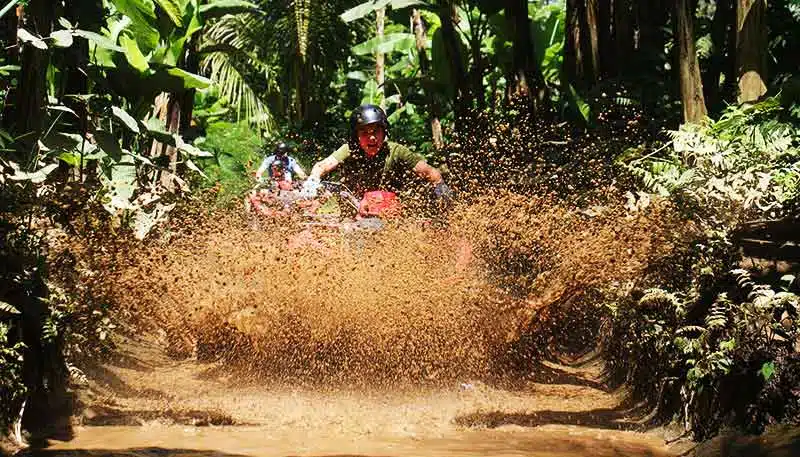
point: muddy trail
(144, 403)
(476, 339)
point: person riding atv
(368, 162)
(280, 167)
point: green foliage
(236, 155)
(747, 163)
(736, 343)
(12, 387)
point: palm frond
(230, 49)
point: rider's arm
(323, 167)
(264, 166)
(425, 171)
(330, 163)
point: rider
(369, 162)
(280, 165)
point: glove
(310, 187)
(443, 192)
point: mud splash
(416, 340)
(409, 304)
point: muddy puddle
(159, 440)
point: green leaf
(191, 165)
(400, 4)
(35, 177)
(767, 370)
(173, 10)
(223, 7)
(6, 68)
(578, 104)
(370, 93)
(144, 23)
(358, 76)
(70, 158)
(106, 141)
(190, 80)
(27, 37)
(65, 23)
(399, 42)
(126, 118)
(357, 12)
(134, 55)
(62, 38)
(121, 185)
(98, 40)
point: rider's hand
(310, 187)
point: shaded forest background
(116, 113)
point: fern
(717, 318)
(8, 308)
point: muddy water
(390, 348)
(563, 411)
(158, 440)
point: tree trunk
(623, 37)
(573, 51)
(420, 38)
(452, 44)
(32, 93)
(87, 13)
(8, 36)
(751, 45)
(582, 54)
(694, 105)
(380, 58)
(605, 38)
(528, 81)
(724, 17)
(591, 41)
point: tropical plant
(744, 164)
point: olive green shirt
(388, 170)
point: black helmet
(365, 115)
(282, 149)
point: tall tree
(694, 105)
(452, 44)
(420, 36)
(751, 45)
(721, 53)
(582, 54)
(32, 94)
(380, 57)
(623, 36)
(592, 41)
(528, 80)
(573, 51)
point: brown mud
(470, 340)
(142, 403)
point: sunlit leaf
(98, 40)
(392, 42)
(27, 37)
(134, 55)
(767, 370)
(126, 118)
(62, 38)
(222, 7)
(173, 10)
(359, 11)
